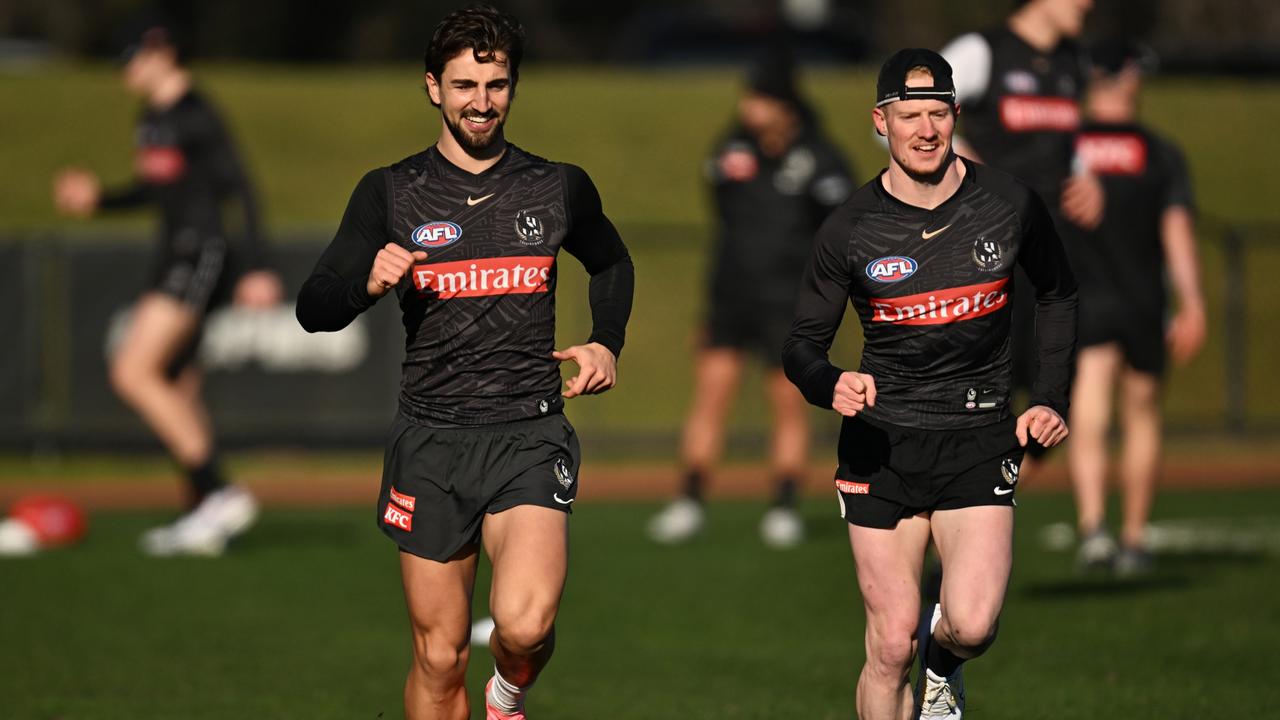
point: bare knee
(524, 633)
(891, 647)
(969, 633)
(440, 659)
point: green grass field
(305, 620)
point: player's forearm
(610, 293)
(1181, 257)
(125, 197)
(1056, 351)
(808, 368)
(327, 302)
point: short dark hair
(483, 29)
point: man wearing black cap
(774, 178)
(1123, 304)
(187, 165)
(929, 446)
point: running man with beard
(466, 234)
(186, 166)
(929, 447)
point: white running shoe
(781, 527)
(939, 698)
(205, 530)
(1097, 551)
(678, 522)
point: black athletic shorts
(439, 483)
(194, 270)
(1105, 320)
(888, 473)
(750, 327)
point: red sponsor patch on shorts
(853, 488)
(408, 502)
(397, 517)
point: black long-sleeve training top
(186, 163)
(479, 313)
(932, 289)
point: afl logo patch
(892, 268)
(987, 254)
(436, 234)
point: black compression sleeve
(596, 243)
(124, 198)
(820, 306)
(1045, 262)
(336, 293)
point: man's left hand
(259, 289)
(597, 369)
(1042, 423)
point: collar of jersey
(965, 182)
(492, 169)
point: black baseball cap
(773, 73)
(892, 84)
(148, 32)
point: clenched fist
(389, 267)
(854, 391)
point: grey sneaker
(1097, 550)
(1132, 561)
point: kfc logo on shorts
(405, 501)
(853, 488)
(436, 234)
(394, 516)
(892, 268)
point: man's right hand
(854, 391)
(389, 268)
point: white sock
(504, 696)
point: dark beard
(935, 177)
(474, 145)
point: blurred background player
(185, 164)
(774, 178)
(1019, 86)
(1121, 268)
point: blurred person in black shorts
(466, 235)
(929, 447)
(774, 178)
(1122, 267)
(1019, 86)
(187, 166)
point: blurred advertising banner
(266, 380)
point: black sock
(693, 482)
(205, 479)
(785, 494)
(940, 660)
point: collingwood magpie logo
(987, 254)
(1009, 471)
(563, 475)
(529, 228)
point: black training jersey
(932, 289)
(479, 313)
(1142, 175)
(768, 209)
(1022, 118)
(186, 163)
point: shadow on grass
(303, 533)
(1173, 571)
